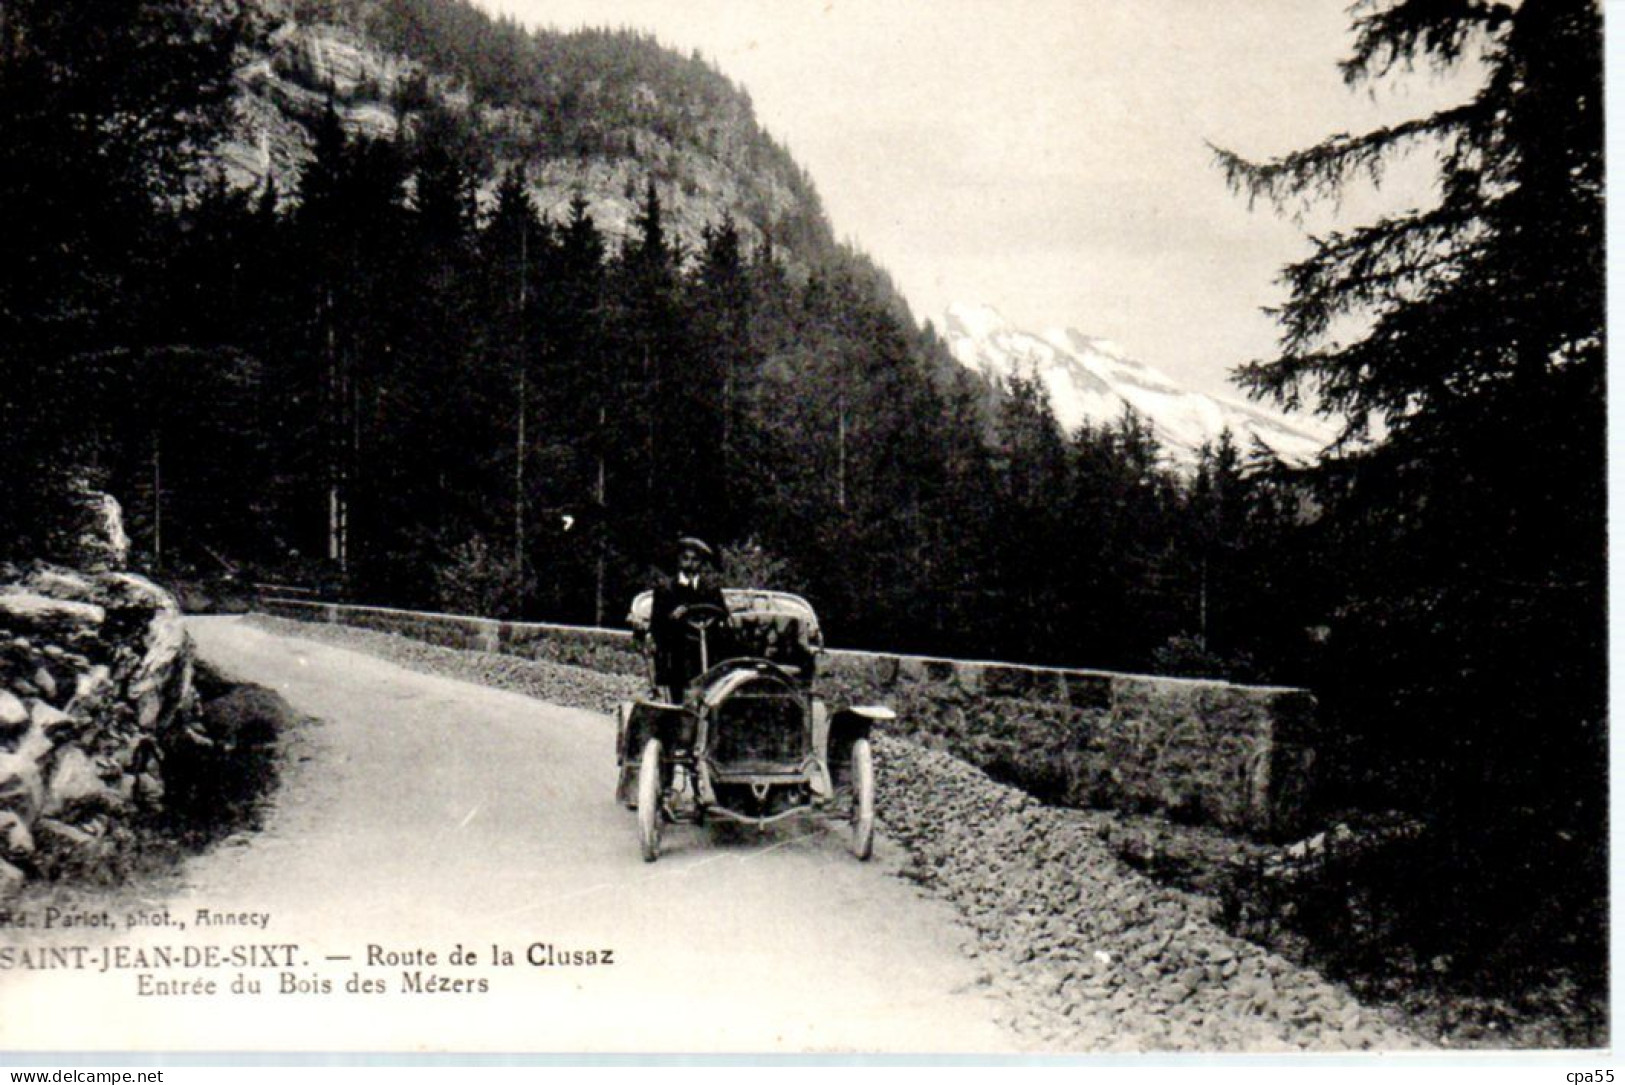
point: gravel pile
(574, 687)
(1089, 954)
(1094, 955)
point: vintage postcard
(802, 529)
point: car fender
(846, 727)
(671, 724)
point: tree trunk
(1201, 635)
(840, 452)
(334, 433)
(157, 499)
(519, 478)
(601, 492)
(519, 439)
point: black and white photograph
(928, 529)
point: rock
(126, 591)
(90, 689)
(21, 790)
(110, 648)
(60, 583)
(147, 789)
(33, 745)
(1170, 994)
(56, 725)
(15, 839)
(26, 610)
(100, 541)
(13, 713)
(57, 835)
(77, 785)
(164, 667)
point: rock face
(281, 91)
(719, 162)
(95, 673)
(88, 532)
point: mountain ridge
(599, 113)
(1091, 380)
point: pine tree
(1468, 529)
(1218, 508)
(446, 456)
(347, 239)
(584, 381)
(188, 442)
(1031, 469)
(654, 417)
(514, 246)
(105, 112)
(722, 300)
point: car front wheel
(649, 801)
(863, 799)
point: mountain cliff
(593, 112)
(1092, 381)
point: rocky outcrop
(95, 681)
(283, 90)
(81, 527)
(297, 70)
(98, 541)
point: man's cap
(699, 546)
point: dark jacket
(677, 645)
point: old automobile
(747, 740)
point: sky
(1051, 158)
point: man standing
(677, 643)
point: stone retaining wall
(1205, 752)
(1237, 757)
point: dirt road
(419, 814)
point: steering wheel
(702, 616)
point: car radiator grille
(756, 727)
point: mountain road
(444, 868)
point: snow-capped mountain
(1092, 380)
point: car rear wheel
(863, 799)
(649, 801)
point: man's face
(688, 563)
